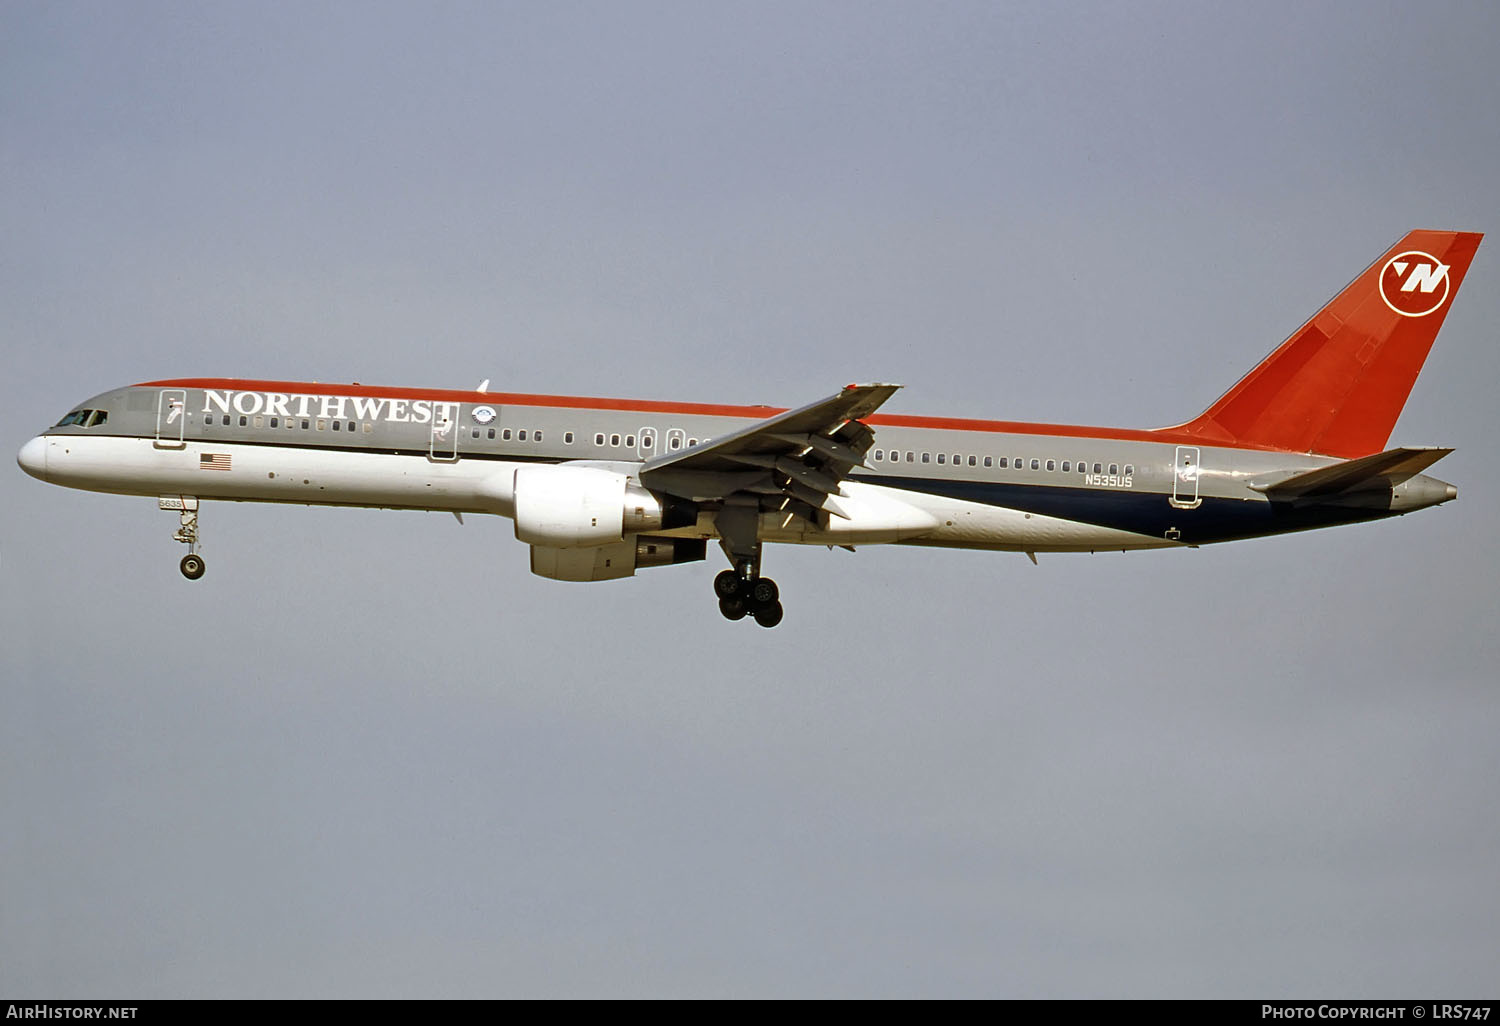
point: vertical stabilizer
(1338, 384)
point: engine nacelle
(569, 507)
(611, 562)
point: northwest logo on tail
(1414, 284)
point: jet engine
(569, 507)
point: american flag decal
(213, 461)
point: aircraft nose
(33, 458)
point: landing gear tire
(733, 608)
(763, 592)
(192, 566)
(727, 585)
(769, 616)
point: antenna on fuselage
(484, 386)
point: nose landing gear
(192, 565)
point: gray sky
(370, 755)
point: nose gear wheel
(192, 565)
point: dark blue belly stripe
(1141, 512)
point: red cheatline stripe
(1167, 435)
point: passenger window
(567, 438)
(614, 439)
(322, 424)
(1051, 466)
(505, 435)
(1098, 468)
(351, 426)
(1067, 466)
(244, 421)
(647, 440)
(536, 436)
(957, 460)
(630, 441)
(521, 435)
(989, 461)
(942, 458)
(879, 455)
(1004, 462)
(492, 434)
(337, 426)
(305, 424)
(674, 442)
(972, 461)
(226, 420)
(1036, 464)
(367, 427)
(598, 439)
(911, 457)
(1129, 470)
(692, 442)
(474, 433)
(926, 457)
(1020, 463)
(276, 422)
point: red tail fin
(1338, 384)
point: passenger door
(444, 442)
(171, 418)
(1185, 473)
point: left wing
(794, 461)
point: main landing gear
(743, 591)
(192, 565)
(741, 596)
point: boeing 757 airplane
(601, 488)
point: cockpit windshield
(84, 418)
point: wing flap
(793, 463)
(819, 418)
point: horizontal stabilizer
(1383, 469)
